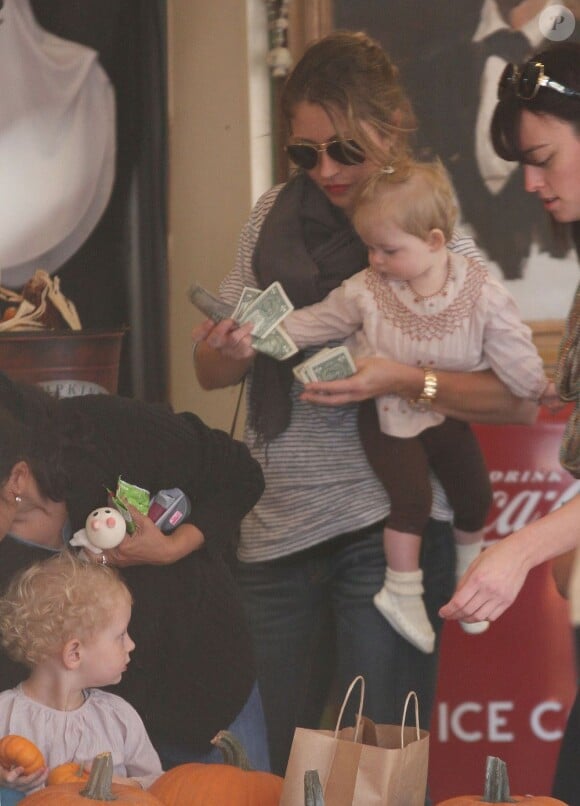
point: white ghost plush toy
(104, 529)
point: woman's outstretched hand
(489, 586)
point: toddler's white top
(104, 722)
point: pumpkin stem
(99, 785)
(78, 772)
(497, 785)
(232, 751)
(313, 795)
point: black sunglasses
(305, 155)
(525, 81)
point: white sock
(400, 601)
(405, 583)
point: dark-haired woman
(537, 123)
(193, 673)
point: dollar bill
(247, 297)
(277, 343)
(300, 374)
(334, 364)
(302, 371)
(267, 310)
(328, 364)
(213, 307)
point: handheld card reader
(168, 509)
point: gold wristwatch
(429, 393)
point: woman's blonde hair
(417, 196)
(55, 600)
(349, 75)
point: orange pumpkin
(98, 789)
(71, 772)
(476, 800)
(497, 790)
(232, 783)
(16, 751)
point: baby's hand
(550, 398)
(15, 778)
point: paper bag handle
(409, 695)
(359, 679)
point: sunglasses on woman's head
(305, 155)
(525, 81)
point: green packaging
(137, 497)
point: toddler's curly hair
(55, 600)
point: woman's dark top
(192, 669)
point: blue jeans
(314, 623)
(248, 727)
(9, 797)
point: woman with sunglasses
(537, 123)
(311, 555)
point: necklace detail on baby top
(441, 292)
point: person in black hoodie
(193, 672)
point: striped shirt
(319, 483)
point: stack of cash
(265, 309)
(328, 364)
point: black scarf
(310, 247)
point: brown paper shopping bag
(366, 765)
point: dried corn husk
(40, 306)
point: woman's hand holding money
(223, 353)
(476, 396)
(227, 337)
(374, 377)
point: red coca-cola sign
(508, 691)
(528, 481)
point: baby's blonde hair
(55, 600)
(417, 196)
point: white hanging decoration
(279, 58)
(57, 145)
